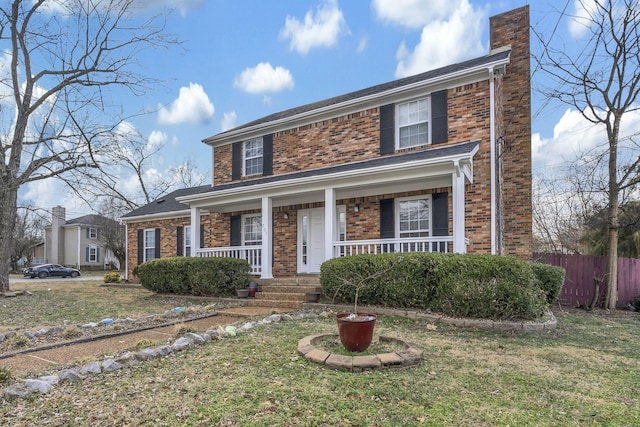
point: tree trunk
(612, 269)
(8, 211)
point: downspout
(492, 138)
(126, 251)
(79, 239)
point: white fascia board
(461, 77)
(157, 216)
(347, 179)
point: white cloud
(444, 42)
(319, 29)
(264, 78)
(414, 13)
(362, 45)
(581, 20)
(191, 106)
(574, 136)
(229, 120)
(157, 139)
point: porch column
(459, 245)
(329, 222)
(267, 238)
(195, 231)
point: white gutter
(260, 128)
(161, 215)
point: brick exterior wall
(512, 28)
(355, 137)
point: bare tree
(26, 235)
(66, 58)
(602, 81)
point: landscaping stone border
(549, 322)
(409, 356)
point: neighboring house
(77, 242)
(439, 161)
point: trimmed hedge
(479, 286)
(550, 279)
(218, 277)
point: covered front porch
(412, 202)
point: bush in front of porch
(461, 285)
(218, 277)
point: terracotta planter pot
(356, 334)
(252, 292)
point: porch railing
(380, 246)
(253, 255)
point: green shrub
(194, 276)
(481, 286)
(550, 278)
(113, 277)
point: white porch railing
(380, 246)
(253, 254)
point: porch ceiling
(407, 172)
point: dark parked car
(46, 270)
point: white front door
(310, 240)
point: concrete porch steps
(286, 292)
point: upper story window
(251, 230)
(253, 157)
(149, 244)
(413, 123)
(93, 233)
(414, 217)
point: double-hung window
(414, 217)
(93, 253)
(413, 123)
(253, 154)
(93, 233)
(251, 230)
(149, 244)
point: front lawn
(583, 373)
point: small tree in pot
(356, 328)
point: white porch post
(459, 245)
(329, 222)
(195, 230)
(267, 240)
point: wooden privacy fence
(582, 272)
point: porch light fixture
(356, 208)
(286, 215)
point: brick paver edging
(409, 356)
(548, 323)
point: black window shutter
(180, 241)
(201, 237)
(87, 254)
(440, 227)
(236, 160)
(88, 232)
(97, 254)
(387, 128)
(157, 253)
(439, 111)
(267, 154)
(387, 221)
(140, 246)
(236, 232)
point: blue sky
(244, 59)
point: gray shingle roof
(87, 220)
(373, 90)
(168, 202)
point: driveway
(54, 279)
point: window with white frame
(414, 217)
(149, 244)
(187, 240)
(93, 233)
(253, 157)
(93, 253)
(251, 230)
(413, 123)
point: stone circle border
(411, 355)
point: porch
(253, 254)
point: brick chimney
(513, 131)
(58, 219)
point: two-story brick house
(439, 161)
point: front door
(310, 240)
